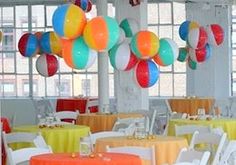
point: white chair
(24, 154)
(215, 141)
(152, 121)
(230, 149)
(97, 135)
(62, 115)
(193, 156)
(91, 103)
(143, 152)
(190, 129)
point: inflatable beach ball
(77, 54)
(200, 55)
(85, 5)
(50, 43)
(197, 38)
(146, 73)
(145, 44)
(130, 26)
(185, 27)
(47, 65)
(68, 21)
(215, 34)
(191, 64)
(28, 45)
(122, 58)
(101, 33)
(168, 52)
(183, 54)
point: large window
(164, 20)
(18, 72)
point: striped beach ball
(101, 33)
(85, 5)
(185, 27)
(191, 64)
(68, 21)
(183, 54)
(130, 26)
(77, 54)
(50, 43)
(197, 38)
(168, 52)
(215, 34)
(200, 55)
(122, 58)
(46, 65)
(28, 45)
(146, 73)
(145, 44)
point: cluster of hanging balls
(199, 42)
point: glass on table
(86, 146)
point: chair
(143, 152)
(97, 135)
(66, 115)
(230, 149)
(91, 103)
(152, 122)
(24, 154)
(215, 141)
(190, 129)
(193, 156)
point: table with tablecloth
(76, 159)
(7, 129)
(102, 122)
(167, 148)
(61, 139)
(191, 105)
(227, 124)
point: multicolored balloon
(168, 52)
(85, 5)
(47, 65)
(209, 51)
(192, 64)
(200, 55)
(122, 58)
(197, 38)
(145, 44)
(130, 26)
(50, 43)
(28, 45)
(215, 34)
(101, 33)
(146, 73)
(183, 54)
(68, 21)
(185, 27)
(77, 54)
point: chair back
(91, 103)
(97, 135)
(190, 129)
(143, 152)
(230, 149)
(62, 115)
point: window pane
(94, 84)
(9, 85)
(37, 16)
(49, 12)
(165, 13)
(22, 63)
(77, 85)
(64, 87)
(38, 79)
(180, 84)
(177, 38)
(152, 13)
(154, 90)
(21, 79)
(179, 13)
(166, 68)
(22, 16)
(8, 63)
(153, 29)
(111, 85)
(52, 86)
(179, 66)
(165, 31)
(166, 85)
(8, 17)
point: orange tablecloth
(167, 147)
(6, 128)
(102, 122)
(191, 105)
(101, 159)
(73, 104)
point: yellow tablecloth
(228, 125)
(191, 105)
(102, 122)
(65, 139)
(167, 148)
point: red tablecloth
(73, 104)
(6, 128)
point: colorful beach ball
(168, 52)
(50, 43)
(28, 45)
(197, 38)
(185, 27)
(77, 54)
(101, 33)
(85, 5)
(215, 34)
(200, 55)
(192, 64)
(183, 54)
(145, 44)
(122, 58)
(209, 51)
(68, 21)
(130, 26)
(47, 65)
(146, 73)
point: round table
(166, 147)
(61, 139)
(99, 159)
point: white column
(103, 76)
